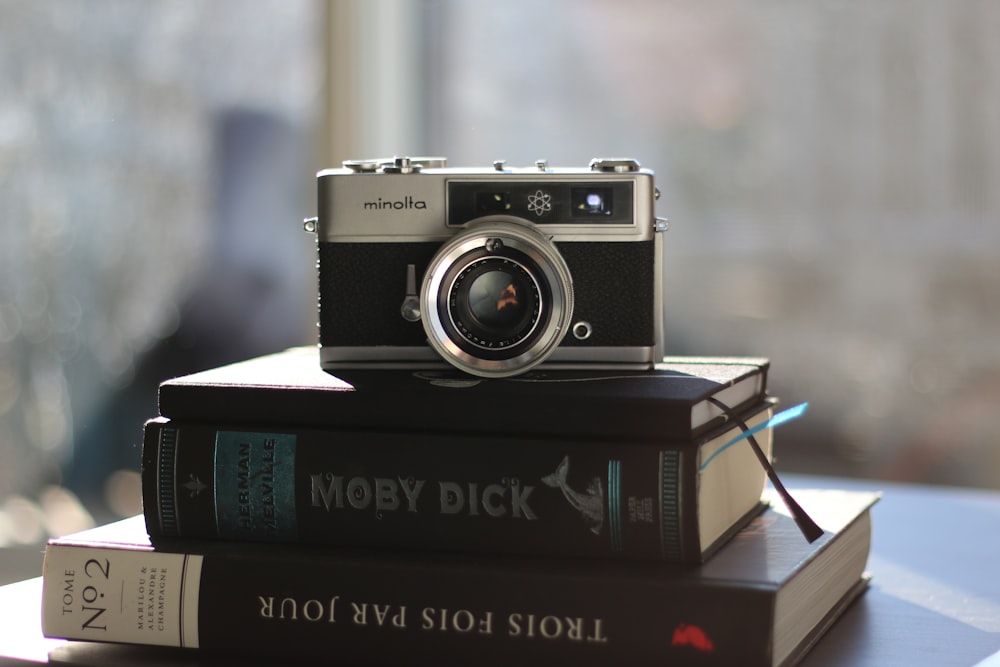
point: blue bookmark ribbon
(810, 529)
(782, 417)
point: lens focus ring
(497, 298)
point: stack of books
(432, 518)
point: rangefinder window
(591, 202)
(492, 202)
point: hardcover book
(577, 497)
(764, 598)
(668, 401)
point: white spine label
(136, 597)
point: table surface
(934, 597)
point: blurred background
(829, 169)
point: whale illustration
(590, 504)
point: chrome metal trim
(376, 355)
(604, 357)
(563, 358)
(513, 233)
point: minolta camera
(493, 270)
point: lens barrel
(497, 298)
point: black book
(764, 598)
(669, 401)
(577, 497)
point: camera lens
(494, 303)
(497, 298)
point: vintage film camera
(493, 270)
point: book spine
(369, 610)
(523, 496)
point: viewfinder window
(591, 202)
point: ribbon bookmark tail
(810, 530)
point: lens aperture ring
(497, 298)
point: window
(155, 164)
(827, 168)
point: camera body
(493, 270)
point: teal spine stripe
(165, 481)
(615, 504)
(670, 504)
